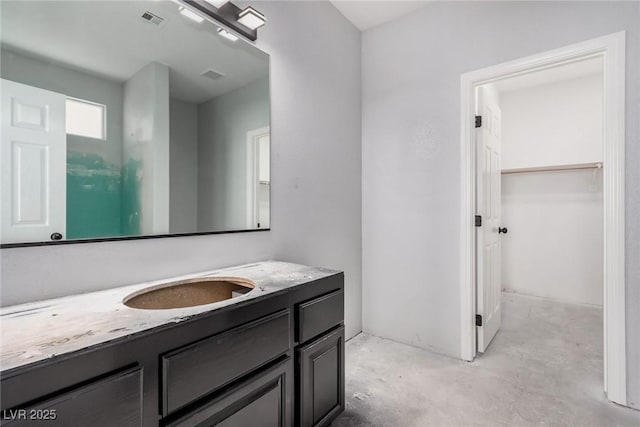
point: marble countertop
(40, 330)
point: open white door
(488, 207)
(34, 158)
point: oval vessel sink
(189, 293)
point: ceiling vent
(212, 74)
(152, 18)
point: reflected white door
(33, 152)
(488, 137)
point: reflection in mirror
(127, 118)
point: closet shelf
(576, 166)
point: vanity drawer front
(319, 315)
(204, 366)
(264, 399)
(114, 400)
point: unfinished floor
(543, 368)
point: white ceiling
(110, 39)
(365, 14)
(569, 71)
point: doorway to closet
(592, 185)
(539, 164)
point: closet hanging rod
(553, 168)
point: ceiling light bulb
(217, 3)
(227, 35)
(191, 15)
(251, 18)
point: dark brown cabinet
(275, 361)
(321, 379)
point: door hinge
(478, 320)
(478, 121)
(478, 221)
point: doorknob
(502, 230)
(56, 236)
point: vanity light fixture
(244, 22)
(217, 3)
(251, 18)
(227, 35)
(191, 15)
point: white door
(488, 206)
(33, 152)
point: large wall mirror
(129, 118)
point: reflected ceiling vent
(212, 74)
(152, 18)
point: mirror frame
(114, 239)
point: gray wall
(316, 141)
(223, 123)
(183, 164)
(411, 154)
(315, 78)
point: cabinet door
(263, 400)
(321, 380)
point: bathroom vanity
(273, 355)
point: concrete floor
(544, 367)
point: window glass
(86, 118)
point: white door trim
(252, 139)
(612, 49)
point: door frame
(612, 49)
(252, 166)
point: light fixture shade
(191, 15)
(217, 3)
(227, 35)
(251, 18)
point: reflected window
(85, 118)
